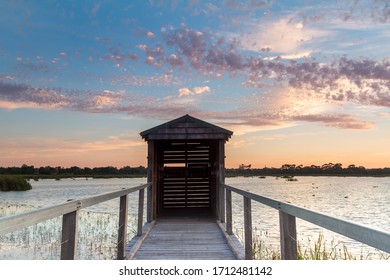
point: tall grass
(312, 249)
(319, 250)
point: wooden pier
(183, 238)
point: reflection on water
(361, 200)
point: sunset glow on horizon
(298, 82)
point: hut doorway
(187, 180)
(186, 161)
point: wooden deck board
(185, 238)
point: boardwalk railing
(287, 221)
(69, 212)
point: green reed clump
(14, 183)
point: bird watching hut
(186, 163)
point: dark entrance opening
(186, 161)
(187, 184)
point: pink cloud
(369, 80)
(149, 60)
(336, 120)
(175, 61)
(200, 90)
(195, 90)
(107, 101)
(143, 47)
(184, 91)
(150, 35)
(118, 57)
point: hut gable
(186, 127)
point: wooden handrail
(287, 219)
(69, 212)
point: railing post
(229, 227)
(149, 194)
(140, 211)
(221, 180)
(288, 236)
(69, 236)
(122, 227)
(248, 228)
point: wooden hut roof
(186, 127)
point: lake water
(362, 200)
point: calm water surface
(361, 200)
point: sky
(298, 82)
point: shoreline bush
(14, 183)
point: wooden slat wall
(186, 180)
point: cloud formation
(281, 36)
(277, 54)
(21, 96)
(195, 90)
(364, 80)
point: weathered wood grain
(248, 228)
(184, 238)
(122, 228)
(229, 214)
(69, 236)
(140, 211)
(288, 237)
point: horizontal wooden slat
(18, 221)
(181, 148)
(205, 161)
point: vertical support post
(149, 202)
(155, 180)
(248, 228)
(69, 236)
(221, 181)
(288, 236)
(229, 227)
(140, 211)
(122, 228)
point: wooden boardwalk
(184, 238)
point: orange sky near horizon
(260, 149)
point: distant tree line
(328, 169)
(109, 171)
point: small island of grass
(14, 183)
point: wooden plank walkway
(184, 238)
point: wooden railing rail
(287, 222)
(69, 212)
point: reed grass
(312, 249)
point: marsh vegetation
(14, 183)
